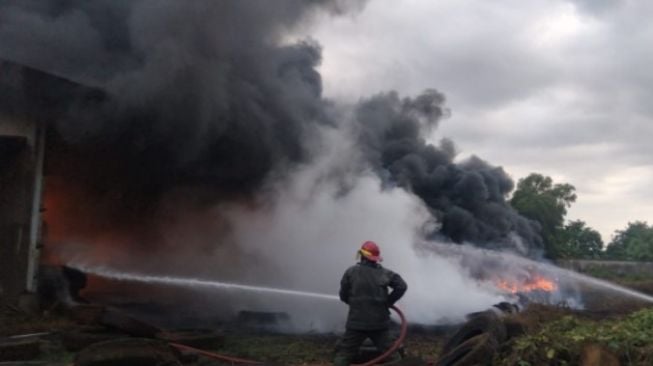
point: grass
(282, 349)
(561, 341)
(311, 349)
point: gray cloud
(538, 86)
(597, 6)
(562, 87)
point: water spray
(180, 281)
(194, 282)
(606, 285)
(513, 262)
(507, 263)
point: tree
(576, 240)
(634, 243)
(537, 198)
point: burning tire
(477, 350)
(128, 352)
(483, 323)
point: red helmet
(371, 251)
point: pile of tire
(478, 340)
(110, 337)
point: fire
(534, 283)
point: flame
(534, 283)
(74, 224)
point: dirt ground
(281, 349)
(275, 349)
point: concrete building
(31, 102)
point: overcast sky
(562, 88)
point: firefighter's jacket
(365, 288)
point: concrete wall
(31, 101)
(18, 168)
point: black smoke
(468, 198)
(211, 99)
(202, 93)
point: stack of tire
(109, 337)
(478, 340)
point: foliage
(537, 198)
(633, 243)
(576, 240)
(561, 342)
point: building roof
(26, 91)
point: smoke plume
(204, 100)
(207, 149)
(467, 198)
(207, 98)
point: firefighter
(365, 288)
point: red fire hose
(235, 360)
(215, 356)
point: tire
(120, 321)
(486, 322)
(20, 350)
(514, 328)
(128, 352)
(78, 339)
(477, 350)
(87, 314)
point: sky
(562, 88)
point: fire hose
(236, 360)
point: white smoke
(304, 238)
(309, 236)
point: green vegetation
(635, 243)
(576, 240)
(561, 342)
(538, 198)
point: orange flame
(535, 283)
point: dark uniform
(364, 287)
